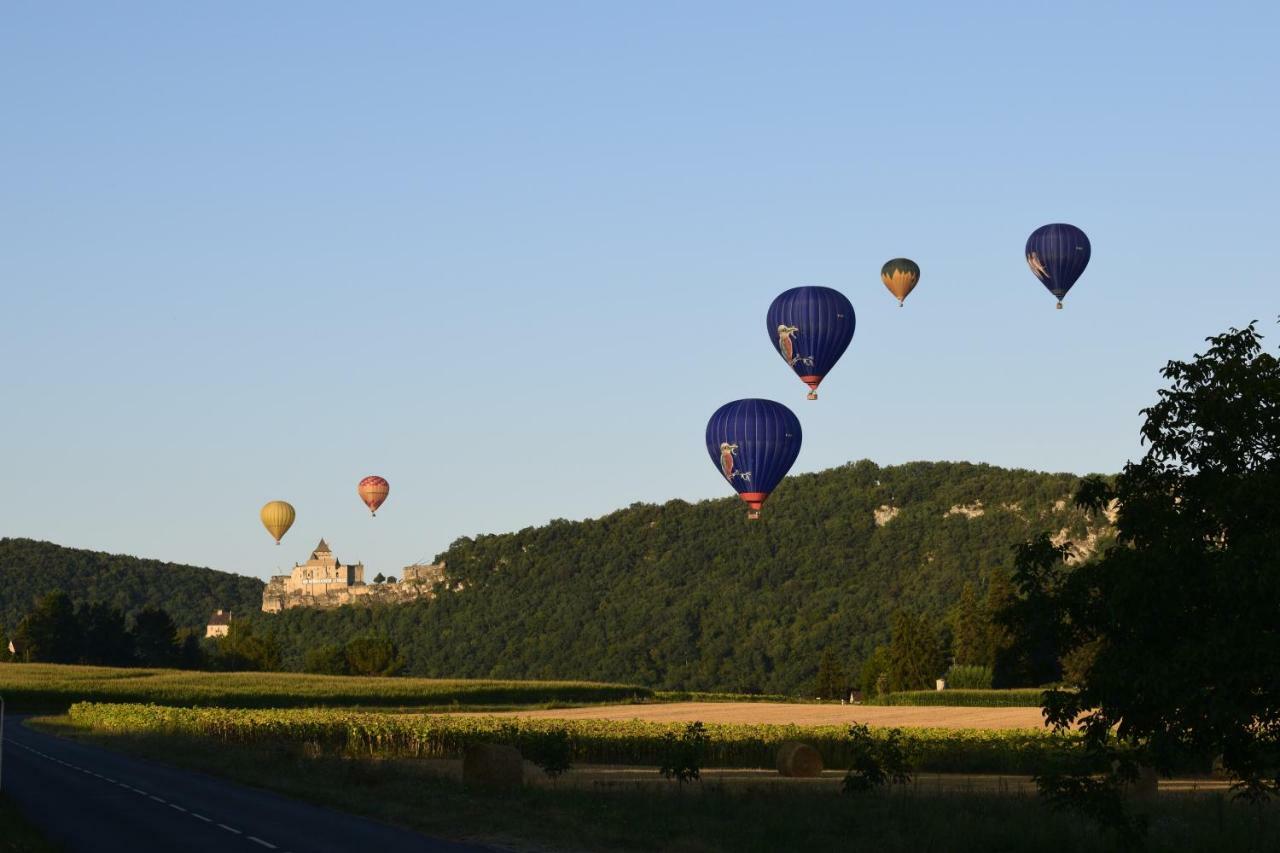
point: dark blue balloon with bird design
(753, 443)
(811, 327)
(1057, 255)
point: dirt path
(805, 715)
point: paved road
(97, 801)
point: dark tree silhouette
(1182, 612)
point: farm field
(55, 687)
(631, 808)
(779, 713)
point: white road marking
(255, 839)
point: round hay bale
(492, 765)
(799, 759)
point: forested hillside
(29, 569)
(694, 596)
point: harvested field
(804, 715)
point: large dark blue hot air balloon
(811, 327)
(753, 443)
(1058, 254)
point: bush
(961, 677)
(1025, 698)
(329, 659)
(553, 752)
(683, 754)
(876, 762)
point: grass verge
(19, 836)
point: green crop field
(1022, 698)
(56, 687)
(629, 742)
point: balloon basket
(812, 395)
(753, 515)
(1059, 306)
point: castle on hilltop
(323, 581)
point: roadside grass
(19, 836)
(54, 687)
(698, 818)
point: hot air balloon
(753, 443)
(900, 275)
(277, 517)
(373, 491)
(1058, 254)
(811, 327)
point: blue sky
(511, 256)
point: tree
(830, 683)
(50, 632)
(1034, 618)
(969, 631)
(373, 656)
(1182, 611)
(875, 673)
(244, 649)
(915, 658)
(996, 638)
(326, 659)
(105, 640)
(379, 578)
(155, 638)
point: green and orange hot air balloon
(277, 517)
(373, 490)
(900, 276)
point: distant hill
(694, 596)
(29, 569)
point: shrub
(553, 752)
(683, 754)
(876, 762)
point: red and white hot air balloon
(373, 491)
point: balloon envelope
(811, 327)
(753, 443)
(1057, 254)
(373, 490)
(900, 275)
(277, 517)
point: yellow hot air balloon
(277, 517)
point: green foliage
(52, 687)
(968, 677)
(327, 659)
(996, 638)
(1031, 697)
(155, 638)
(246, 650)
(379, 578)
(1182, 614)
(876, 761)
(690, 597)
(373, 656)
(683, 754)
(874, 678)
(553, 752)
(830, 683)
(104, 637)
(50, 632)
(969, 631)
(915, 656)
(1034, 617)
(31, 569)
